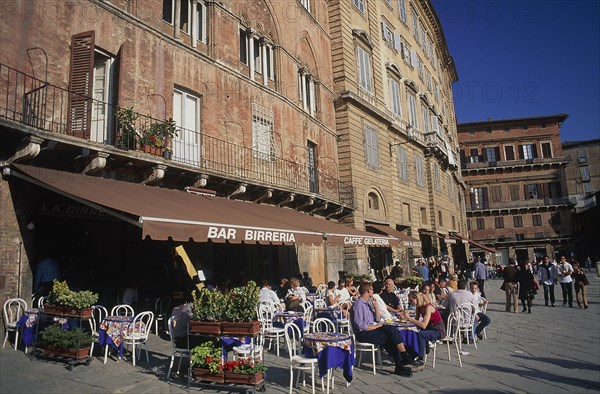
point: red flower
(208, 359)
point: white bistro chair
(466, 314)
(297, 360)
(135, 337)
(99, 313)
(322, 324)
(365, 347)
(13, 309)
(122, 310)
(452, 336)
(265, 316)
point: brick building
(89, 83)
(396, 126)
(583, 184)
(517, 198)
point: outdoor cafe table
(330, 312)
(113, 330)
(408, 331)
(332, 349)
(280, 319)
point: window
(423, 215)
(364, 69)
(167, 13)
(402, 10)
(412, 110)
(496, 193)
(103, 86)
(492, 154)
(406, 52)
(360, 5)
(555, 218)
(519, 237)
(453, 222)
(474, 155)
(420, 176)
(536, 219)
(402, 164)
(527, 151)
(479, 198)
(257, 53)
(546, 150)
(480, 224)
(514, 192)
(585, 173)
(532, 191)
(582, 155)
(395, 105)
(436, 92)
(387, 33)
(186, 114)
(518, 221)
(372, 152)
(313, 181)
(373, 202)
(440, 218)
(499, 222)
(420, 67)
(587, 188)
(554, 190)
(262, 133)
(425, 112)
(415, 22)
(406, 216)
(469, 224)
(185, 16)
(509, 153)
(307, 91)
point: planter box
(54, 351)
(153, 150)
(240, 328)
(205, 375)
(68, 311)
(205, 327)
(240, 378)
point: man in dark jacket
(510, 286)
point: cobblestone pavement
(551, 350)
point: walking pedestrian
(526, 286)
(481, 274)
(547, 276)
(566, 281)
(581, 282)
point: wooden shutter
(81, 84)
(526, 191)
(521, 153)
(484, 156)
(534, 151)
(486, 198)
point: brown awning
(474, 243)
(406, 239)
(167, 213)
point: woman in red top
(431, 324)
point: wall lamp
(410, 136)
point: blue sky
(526, 58)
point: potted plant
(56, 340)
(207, 362)
(63, 301)
(244, 371)
(411, 281)
(208, 308)
(240, 310)
(126, 118)
(157, 137)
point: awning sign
(231, 234)
(366, 241)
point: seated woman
(431, 323)
(333, 295)
(295, 297)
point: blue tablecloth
(228, 343)
(28, 323)
(408, 332)
(113, 330)
(333, 350)
(281, 318)
(331, 313)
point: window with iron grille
(263, 146)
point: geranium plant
(207, 356)
(245, 366)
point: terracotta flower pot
(205, 375)
(240, 328)
(240, 378)
(205, 327)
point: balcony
(30, 105)
(522, 205)
(492, 167)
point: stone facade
(517, 201)
(387, 57)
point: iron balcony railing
(29, 101)
(513, 163)
(535, 202)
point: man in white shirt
(383, 311)
(566, 281)
(458, 297)
(266, 294)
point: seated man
(365, 316)
(392, 303)
(456, 298)
(377, 292)
(481, 318)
